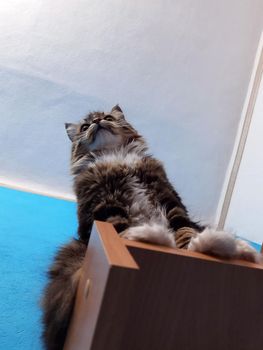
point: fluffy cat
(117, 181)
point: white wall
(245, 211)
(179, 69)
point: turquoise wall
(32, 227)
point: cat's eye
(109, 118)
(84, 127)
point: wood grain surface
(161, 298)
(105, 259)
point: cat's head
(101, 131)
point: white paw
(218, 243)
(223, 245)
(151, 233)
(244, 251)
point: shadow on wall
(33, 113)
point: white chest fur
(119, 157)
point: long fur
(60, 293)
(118, 181)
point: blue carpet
(32, 227)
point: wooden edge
(117, 252)
(261, 251)
(187, 253)
(114, 247)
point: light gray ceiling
(179, 69)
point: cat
(118, 181)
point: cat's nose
(96, 120)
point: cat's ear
(117, 111)
(71, 130)
(116, 108)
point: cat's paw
(244, 251)
(212, 242)
(223, 244)
(150, 233)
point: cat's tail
(59, 295)
(223, 244)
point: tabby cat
(118, 181)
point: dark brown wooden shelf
(138, 296)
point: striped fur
(59, 295)
(118, 181)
